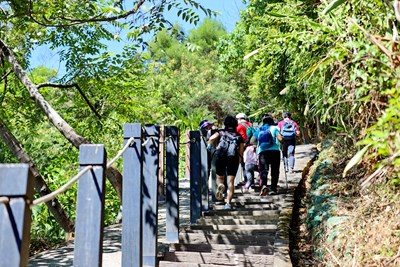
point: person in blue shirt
(268, 138)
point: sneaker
(219, 195)
(272, 192)
(264, 191)
(291, 170)
(227, 206)
(247, 185)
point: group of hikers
(238, 143)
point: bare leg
(219, 195)
(231, 189)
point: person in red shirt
(289, 131)
(243, 124)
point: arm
(297, 129)
(253, 141)
(279, 136)
(213, 137)
(241, 150)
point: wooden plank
(89, 224)
(241, 213)
(195, 176)
(204, 172)
(225, 259)
(16, 182)
(242, 249)
(270, 216)
(172, 184)
(247, 231)
(245, 206)
(227, 239)
(132, 198)
(233, 221)
(151, 134)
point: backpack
(228, 144)
(288, 130)
(249, 131)
(265, 137)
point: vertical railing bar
(172, 184)
(16, 183)
(132, 238)
(195, 177)
(89, 226)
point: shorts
(226, 165)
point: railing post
(132, 198)
(161, 165)
(90, 207)
(16, 183)
(204, 170)
(172, 184)
(150, 194)
(195, 176)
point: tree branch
(96, 18)
(62, 126)
(69, 86)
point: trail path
(274, 254)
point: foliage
(186, 80)
(323, 66)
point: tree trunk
(40, 185)
(72, 136)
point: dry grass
(370, 236)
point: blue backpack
(288, 130)
(265, 138)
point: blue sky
(229, 14)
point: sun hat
(205, 123)
(241, 116)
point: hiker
(289, 131)
(243, 125)
(246, 130)
(250, 166)
(228, 153)
(207, 126)
(268, 138)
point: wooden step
(217, 258)
(245, 206)
(266, 227)
(235, 213)
(226, 239)
(229, 249)
(233, 221)
(236, 232)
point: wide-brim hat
(205, 124)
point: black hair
(230, 122)
(286, 114)
(268, 120)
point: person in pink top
(289, 131)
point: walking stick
(284, 169)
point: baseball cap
(241, 116)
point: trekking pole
(284, 169)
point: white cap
(241, 116)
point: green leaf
(332, 6)
(355, 159)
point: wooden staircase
(245, 236)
